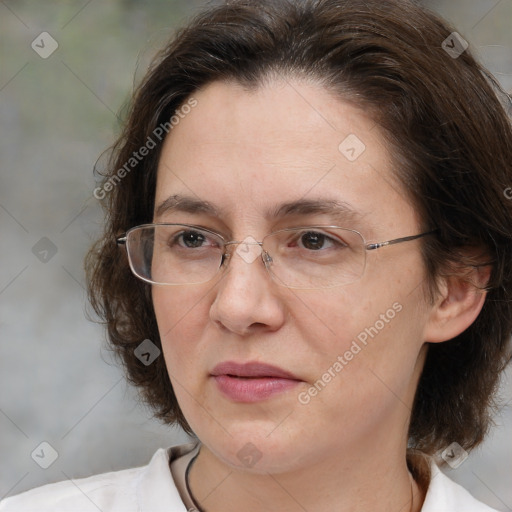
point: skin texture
(247, 152)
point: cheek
(180, 316)
(358, 334)
(362, 372)
(177, 306)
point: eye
(316, 241)
(191, 239)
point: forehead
(248, 152)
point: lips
(253, 381)
(251, 370)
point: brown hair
(444, 123)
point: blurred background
(67, 68)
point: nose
(247, 300)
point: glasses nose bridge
(248, 240)
(238, 242)
(265, 256)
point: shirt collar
(156, 490)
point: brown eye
(316, 241)
(313, 241)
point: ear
(459, 302)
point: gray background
(59, 383)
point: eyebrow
(187, 204)
(338, 210)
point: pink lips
(252, 382)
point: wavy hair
(446, 125)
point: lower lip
(252, 389)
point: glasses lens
(315, 257)
(174, 254)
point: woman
(308, 227)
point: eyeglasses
(308, 257)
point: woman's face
(349, 357)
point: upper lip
(251, 369)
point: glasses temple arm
(371, 247)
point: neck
(348, 482)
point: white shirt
(152, 488)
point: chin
(257, 446)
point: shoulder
(444, 495)
(147, 488)
(82, 494)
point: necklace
(199, 509)
(187, 484)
